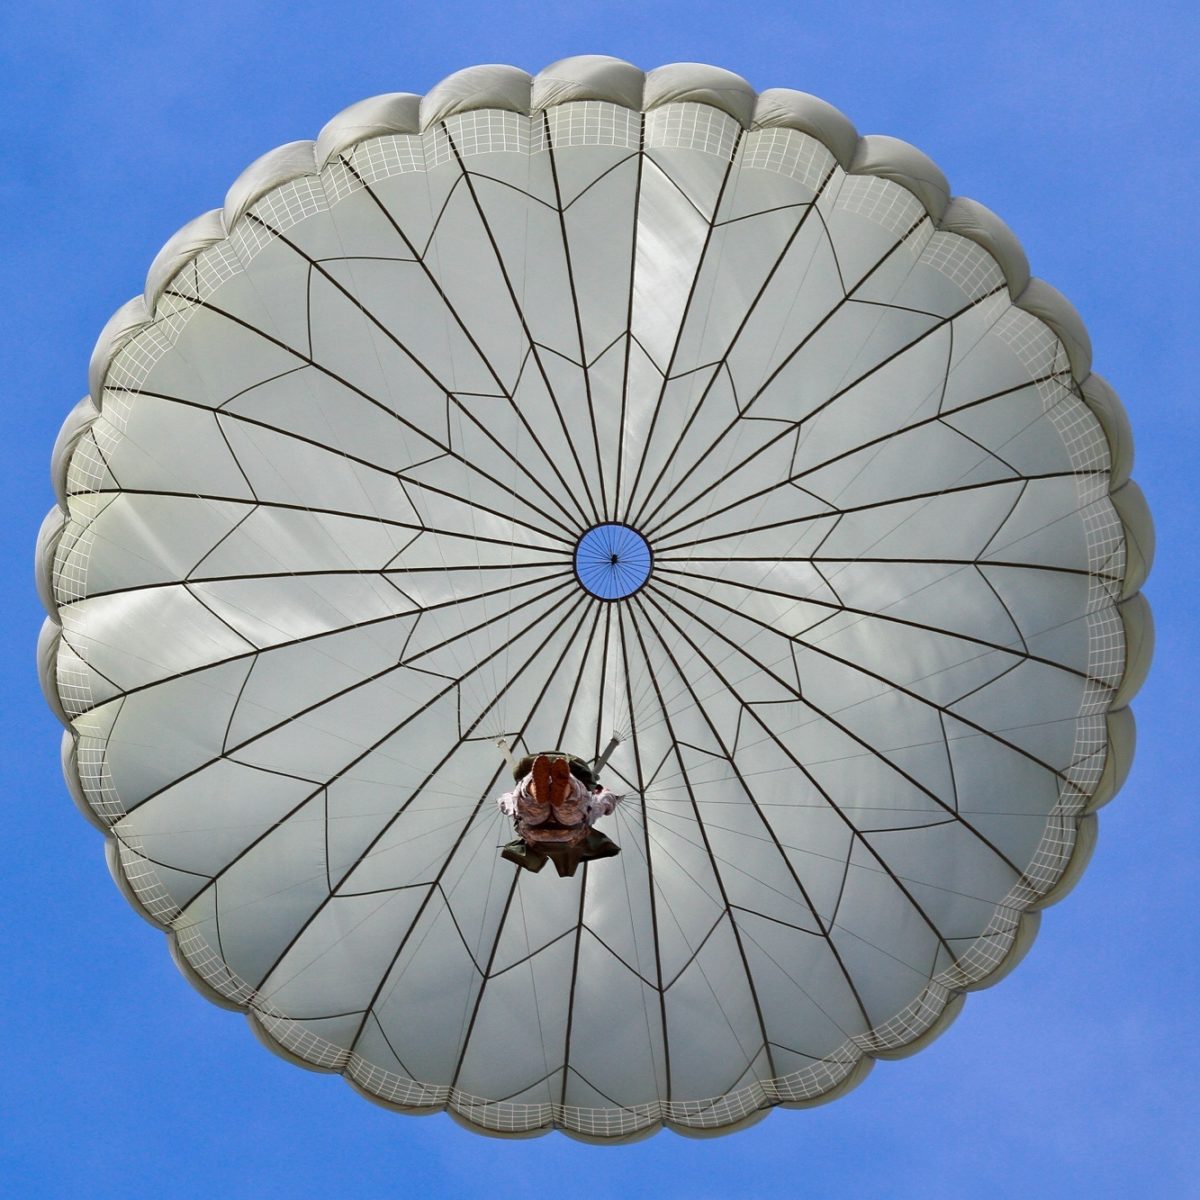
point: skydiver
(554, 805)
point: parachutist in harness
(553, 806)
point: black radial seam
(495, 512)
(796, 476)
(328, 512)
(701, 260)
(650, 884)
(445, 448)
(537, 358)
(450, 308)
(415, 613)
(857, 833)
(390, 823)
(845, 729)
(578, 935)
(1023, 653)
(405, 349)
(1020, 481)
(779, 369)
(608, 611)
(481, 425)
(451, 685)
(341, 572)
(628, 335)
(323, 788)
(722, 363)
(578, 930)
(939, 326)
(737, 932)
(469, 1031)
(823, 926)
(587, 378)
(899, 562)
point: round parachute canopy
(600, 411)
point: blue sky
(1077, 122)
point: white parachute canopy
(603, 403)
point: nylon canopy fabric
(335, 521)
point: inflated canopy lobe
(543, 410)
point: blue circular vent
(613, 561)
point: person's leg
(580, 768)
(560, 782)
(550, 780)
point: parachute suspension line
(628, 687)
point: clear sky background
(1077, 123)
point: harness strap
(602, 761)
(508, 758)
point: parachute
(641, 416)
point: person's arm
(602, 801)
(510, 803)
